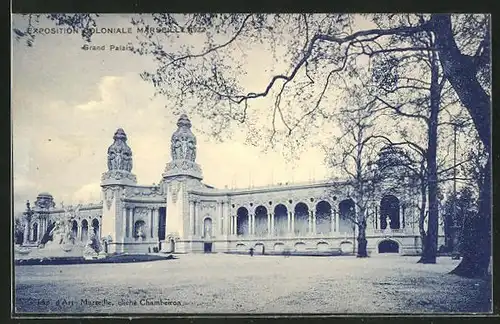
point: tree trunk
(461, 73)
(362, 242)
(429, 252)
(476, 250)
(423, 235)
(423, 206)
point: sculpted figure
(119, 153)
(111, 160)
(118, 159)
(388, 228)
(127, 161)
(191, 156)
(177, 149)
(58, 233)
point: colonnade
(35, 232)
(334, 222)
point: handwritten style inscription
(68, 303)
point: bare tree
(354, 152)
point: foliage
(18, 231)
(458, 207)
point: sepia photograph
(251, 164)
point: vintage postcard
(210, 164)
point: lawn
(221, 283)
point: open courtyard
(221, 283)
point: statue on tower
(119, 160)
(183, 141)
(119, 153)
(183, 151)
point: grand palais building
(183, 215)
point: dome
(45, 194)
(120, 135)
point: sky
(68, 102)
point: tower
(181, 174)
(113, 182)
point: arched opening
(74, 230)
(95, 227)
(242, 221)
(140, 230)
(207, 228)
(279, 247)
(301, 223)
(347, 214)
(346, 247)
(34, 238)
(388, 246)
(389, 210)
(261, 220)
(280, 220)
(207, 247)
(162, 221)
(322, 246)
(323, 217)
(241, 247)
(85, 230)
(259, 248)
(300, 246)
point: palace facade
(182, 214)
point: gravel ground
(222, 283)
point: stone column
(191, 217)
(41, 230)
(272, 224)
(376, 218)
(309, 222)
(252, 228)
(124, 224)
(313, 221)
(221, 217)
(337, 220)
(332, 221)
(196, 217)
(235, 225)
(227, 219)
(132, 225)
(157, 221)
(151, 225)
(401, 217)
(268, 224)
(78, 237)
(26, 231)
(293, 222)
(289, 222)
